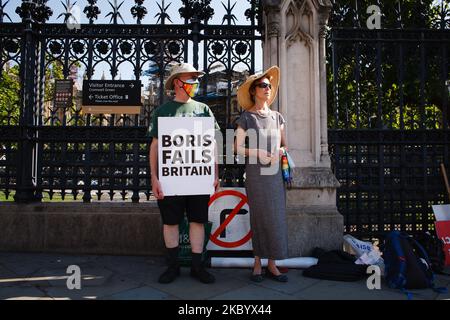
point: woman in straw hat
(264, 182)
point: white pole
(300, 263)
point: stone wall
(92, 228)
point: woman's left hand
(282, 150)
(276, 158)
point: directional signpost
(112, 96)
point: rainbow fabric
(191, 88)
(286, 170)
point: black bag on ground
(333, 256)
(435, 249)
(407, 265)
(335, 265)
(337, 272)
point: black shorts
(172, 209)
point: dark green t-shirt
(179, 109)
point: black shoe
(169, 275)
(256, 278)
(202, 275)
(279, 278)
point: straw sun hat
(243, 92)
(179, 69)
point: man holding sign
(184, 172)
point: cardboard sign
(230, 217)
(442, 214)
(186, 161)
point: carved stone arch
(291, 19)
(306, 8)
(322, 4)
(306, 14)
(297, 11)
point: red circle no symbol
(215, 236)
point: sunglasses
(264, 85)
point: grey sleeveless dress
(265, 189)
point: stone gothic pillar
(294, 39)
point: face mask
(191, 87)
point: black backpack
(335, 265)
(435, 249)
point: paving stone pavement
(35, 276)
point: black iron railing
(388, 113)
(49, 152)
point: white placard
(186, 163)
(441, 212)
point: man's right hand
(156, 189)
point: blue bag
(407, 265)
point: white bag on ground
(355, 246)
(366, 252)
(373, 258)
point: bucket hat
(178, 69)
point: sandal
(279, 278)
